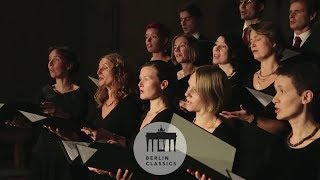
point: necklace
(261, 78)
(211, 126)
(63, 89)
(156, 112)
(304, 139)
(231, 74)
(109, 103)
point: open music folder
(107, 157)
(205, 152)
(70, 149)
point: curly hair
(120, 81)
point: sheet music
(263, 98)
(71, 148)
(220, 159)
(94, 80)
(288, 53)
(32, 117)
(85, 152)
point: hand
(101, 172)
(70, 136)
(48, 108)
(127, 175)
(17, 121)
(98, 135)
(198, 174)
(243, 114)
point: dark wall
(95, 28)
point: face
(249, 9)
(188, 23)
(149, 85)
(288, 104)
(298, 17)
(105, 73)
(153, 40)
(220, 51)
(181, 51)
(57, 66)
(195, 102)
(261, 46)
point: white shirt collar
(196, 35)
(304, 36)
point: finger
(203, 177)
(111, 141)
(197, 174)
(190, 171)
(126, 172)
(131, 174)
(118, 176)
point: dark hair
(192, 9)
(304, 76)
(269, 30)
(164, 72)
(236, 49)
(311, 5)
(192, 46)
(68, 55)
(162, 29)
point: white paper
(85, 152)
(263, 98)
(288, 53)
(205, 147)
(32, 117)
(71, 148)
(94, 80)
(1, 104)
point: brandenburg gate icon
(161, 136)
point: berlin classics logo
(160, 148)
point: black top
(255, 145)
(181, 87)
(205, 51)
(225, 132)
(122, 119)
(302, 163)
(49, 161)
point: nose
(50, 63)
(275, 99)
(148, 39)
(99, 71)
(187, 93)
(140, 83)
(183, 22)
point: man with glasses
(190, 18)
(302, 15)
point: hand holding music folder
(66, 124)
(255, 101)
(205, 152)
(108, 157)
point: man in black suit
(302, 15)
(250, 13)
(190, 19)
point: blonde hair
(214, 87)
(120, 82)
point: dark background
(95, 28)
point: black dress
(123, 120)
(48, 160)
(296, 164)
(255, 145)
(181, 87)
